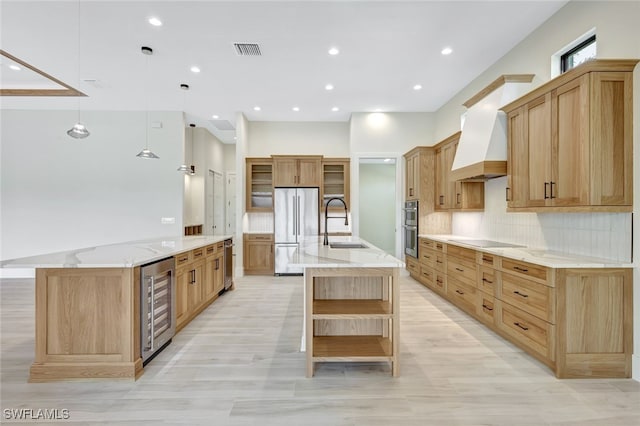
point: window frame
(564, 58)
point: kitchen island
(351, 303)
(88, 303)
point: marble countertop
(120, 255)
(548, 258)
(312, 254)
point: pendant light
(146, 152)
(192, 168)
(78, 131)
(183, 167)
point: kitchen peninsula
(351, 301)
(88, 302)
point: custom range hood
(482, 149)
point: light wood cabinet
(352, 316)
(258, 256)
(412, 176)
(570, 141)
(297, 171)
(214, 272)
(579, 322)
(259, 181)
(336, 181)
(451, 195)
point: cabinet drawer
(534, 333)
(425, 243)
(197, 254)
(440, 263)
(438, 246)
(439, 282)
(428, 258)
(462, 252)
(524, 268)
(534, 298)
(412, 265)
(486, 259)
(426, 275)
(487, 279)
(462, 269)
(485, 308)
(258, 237)
(210, 250)
(462, 295)
(182, 258)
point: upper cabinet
(451, 195)
(303, 171)
(335, 181)
(570, 141)
(259, 181)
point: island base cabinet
(87, 324)
(352, 315)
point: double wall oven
(410, 226)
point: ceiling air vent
(247, 49)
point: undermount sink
(347, 245)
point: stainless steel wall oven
(157, 307)
(410, 227)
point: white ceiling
(385, 49)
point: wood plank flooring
(239, 364)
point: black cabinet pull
(506, 194)
(458, 198)
(487, 308)
(438, 261)
(520, 269)
(439, 281)
(521, 326)
(459, 270)
(546, 184)
(441, 199)
(551, 186)
(217, 264)
(487, 281)
(520, 294)
(460, 292)
(411, 192)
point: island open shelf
(353, 316)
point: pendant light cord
(146, 102)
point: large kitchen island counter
(351, 301)
(88, 303)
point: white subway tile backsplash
(605, 235)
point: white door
(231, 203)
(215, 203)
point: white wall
(59, 193)
(330, 139)
(229, 151)
(603, 235)
(390, 132)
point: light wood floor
(239, 363)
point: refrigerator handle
(295, 218)
(298, 203)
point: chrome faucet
(326, 216)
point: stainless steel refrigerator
(296, 217)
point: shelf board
(351, 308)
(352, 348)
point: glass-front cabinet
(335, 182)
(259, 184)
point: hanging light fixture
(183, 167)
(192, 168)
(78, 131)
(146, 152)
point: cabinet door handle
(520, 294)
(517, 268)
(487, 308)
(487, 281)
(217, 264)
(546, 184)
(458, 198)
(521, 326)
(411, 192)
(441, 199)
(506, 194)
(193, 276)
(551, 186)
(460, 292)
(459, 270)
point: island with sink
(573, 313)
(351, 302)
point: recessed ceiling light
(329, 87)
(15, 67)
(417, 87)
(296, 109)
(446, 51)
(155, 21)
(215, 116)
(333, 51)
(256, 108)
(195, 69)
(334, 109)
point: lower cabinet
(258, 254)
(579, 322)
(199, 280)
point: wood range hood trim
(480, 172)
